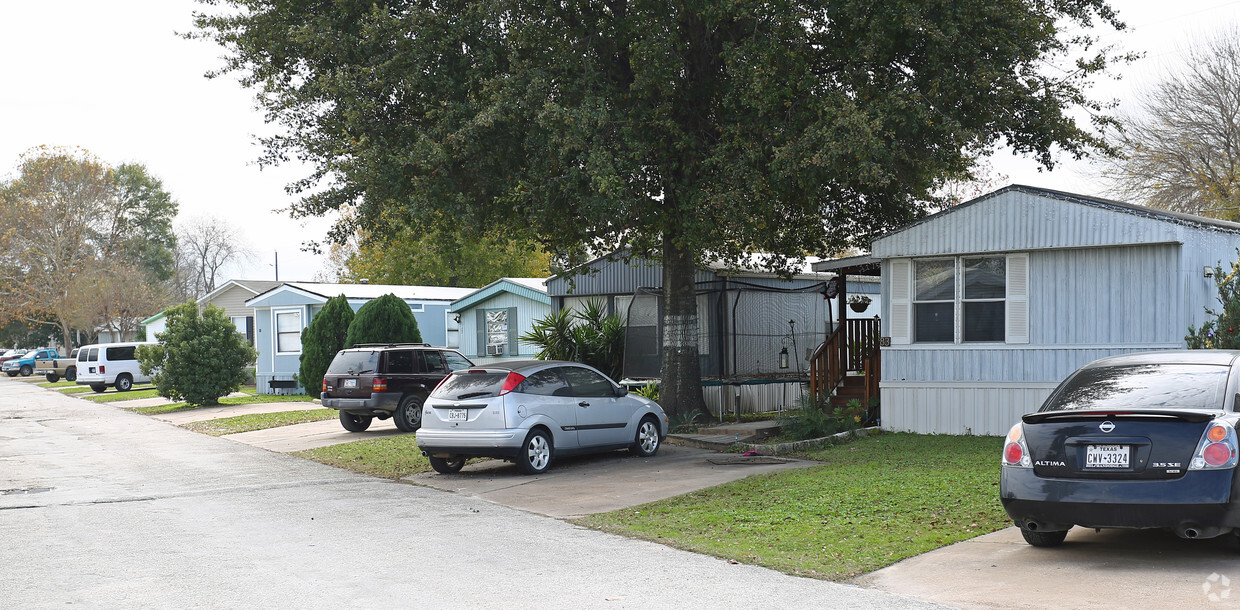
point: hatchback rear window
(354, 363)
(1146, 386)
(463, 385)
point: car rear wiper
(471, 395)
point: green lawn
(874, 502)
(259, 421)
(390, 457)
(136, 393)
(233, 400)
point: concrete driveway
(582, 485)
(1108, 569)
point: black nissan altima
(1137, 441)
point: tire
(26, 370)
(450, 465)
(1044, 539)
(52, 377)
(124, 383)
(536, 452)
(99, 388)
(355, 423)
(646, 441)
(408, 416)
(71, 373)
(11, 373)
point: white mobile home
(989, 304)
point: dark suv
(384, 380)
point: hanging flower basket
(858, 303)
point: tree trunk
(681, 390)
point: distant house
(989, 304)
(281, 313)
(229, 296)
(756, 331)
(494, 317)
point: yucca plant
(588, 335)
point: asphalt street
(100, 507)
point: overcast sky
(115, 78)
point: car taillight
(1015, 453)
(511, 382)
(1217, 449)
(379, 385)
(101, 371)
(324, 384)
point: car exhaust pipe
(1032, 526)
(1191, 531)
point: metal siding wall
(1106, 296)
(232, 301)
(762, 398)
(527, 312)
(615, 277)
(947, 410)
(431, 322)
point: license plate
(1106, 456)
(349, 383)
(458, 414)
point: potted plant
(858, 302)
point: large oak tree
(682, 130)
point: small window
(432, 362)
(400, 362)
(456, 361)
(934, 300)
(587, 383)
(124, 352)
(546, 382)
(288, 331)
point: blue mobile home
(282, 312)
(494, 317)
(989, 304)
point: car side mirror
(621, 391)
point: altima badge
(1106, 426)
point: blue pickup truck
(24, 365)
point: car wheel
(450, 465)
(123, 383)
(1044, 539)
(11, 373)
(26, 370)
(355, 423)
(409, 414)
(535, 454)
(646, 443)
(99, 388)
(52, 377)
(71, 373)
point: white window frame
(903, 300)
(275, 328)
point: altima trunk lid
(1142, 445)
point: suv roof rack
(391, 344)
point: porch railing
(852, 347)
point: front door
(601, 415)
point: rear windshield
(354, 363)
(463, 385)
(1146, 386)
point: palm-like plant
(588, 335)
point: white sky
(114, 78)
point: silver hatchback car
(532, 411)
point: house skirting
(986, 409)
(764, 397)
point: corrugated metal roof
(1020, 217)
(528, 287)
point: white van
(110, 364)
